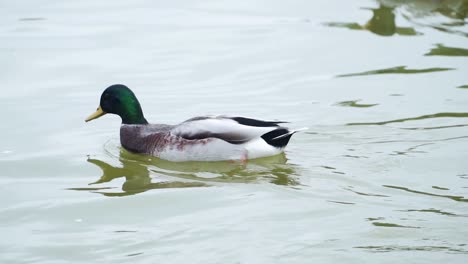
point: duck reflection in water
(381, 23)
(143, 173)
(137, 179)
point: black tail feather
(255, 122)
(278, 142)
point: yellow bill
(96, 114)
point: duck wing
(235, 130)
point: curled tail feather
(280, 137)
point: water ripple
(391, 248)
(436, 115)
(452, 197)
(396, 70)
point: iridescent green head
(120, 100)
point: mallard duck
(203, 138)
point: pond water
(381, 176)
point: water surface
(380, 176)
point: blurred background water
(380, 176)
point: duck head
(120, 100)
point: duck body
(204, 138)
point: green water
(381, 176)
